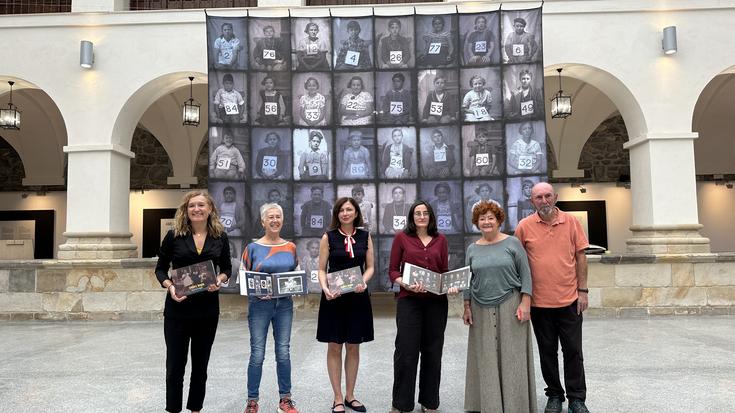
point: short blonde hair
(182, 225)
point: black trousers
(178, 333)
(552, 326)
(421, 323)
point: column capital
(655, 136)
(105, 147)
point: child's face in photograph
(314, 143)
(482, 138)
(397, 136)
(394, 29)
(398, 195)
(316, 195)
(442, 194)
(526, 131)
(274, 196)
(477, 84)
(358, 195)
(313, 31)
(439, 84)
(354, 33)
(519, 27)
(313, 248)
(397, 84)
(481, 24)
(227, 31)
(228, 85)
(268, 32)
(268, 84)
(271, 140)
(356, 86)
(312, 87)
(437, 138)
(484, 192)
(229, 195)
(437, 25)
(356, 141)
(525, 81)
(227, 140)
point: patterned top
(270, 258)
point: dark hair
(483, 207)
(358, 189)
(226, 77)
(306, 30)
(519, 20)
(525, 72)
(480, 17)
(437, 18)
(311, 78)
(394, 20)
(411, 224)
(269, 27)
(226, 24)
(442, 185)
(335, 212)
(362, 82)
(399, 76)
(353, 24)
(262, 82)
(271, 133)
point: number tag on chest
(358, 169)
(525, 162)
(399, 222)
(396, 161)
(481, 46)
(227, 220)
(269, 164)
(436, 108)
(223, 163)
(270, 108)
(444, 222)
(519, 49)
(269, 54)
(396, 57)
(440, 155)
(435, 48)
(231, 109)
(480, 112)
(315, 168)
(352, 58)
(352, 105)
(312, 48)
(316, 221)
(527, 108)
(396, 108)
(312, 114)
(482, 159)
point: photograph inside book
(434, 282)
(260, 284)
(344, 281)
(193, 278)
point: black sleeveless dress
(349, 317)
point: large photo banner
(385, 109)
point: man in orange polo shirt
(555, 243)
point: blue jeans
(261, 313)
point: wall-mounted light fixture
(190, 109)
(10, 117)
(86, 54)
(668, 43)
(623, 181)
(581, 187)
(561, 105)
(720, 180)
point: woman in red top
(421, 316)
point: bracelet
(583, 290)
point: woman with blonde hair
(191, 321)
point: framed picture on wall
(593, 217)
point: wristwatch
(583, 290)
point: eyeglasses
(421, 214)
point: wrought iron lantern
(191, 108)
(10, 117)
(561, 105)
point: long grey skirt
(500, 374)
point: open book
(193, 278)
(281, 284)
(437, 283)
(344, 281)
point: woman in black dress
(198, 236)
(345, 319)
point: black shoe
(577, 406)
(353, 404)
(553, 405)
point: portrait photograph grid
(446, 108)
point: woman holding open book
(345, 320)
(421, 316)
(497, 306)
(198, 236)
(270, 254)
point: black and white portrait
(456, 252)
(394, 37)
(312, 99)
(353, 43)
(481, 94)
(365, 195)
(355, 150)
(482, 149)
(519, 198)
(272, 192)
(395, 98)
(311, 43)
(521, 36)
(237, 245)
(480, 38)
(229, 49)
(307, 249)
(440, 152)
(438, 96)
(269, 97)
(234, 213)
(312, 208)
(476, 191)
(228, 94)
(444, 198)
(312, 160)
(395, 202)
(291, 285)
(382, 278)
(397, 153)
(270, 43)
(228, 153)
(523, 88)
(355, 100)
(271, 153)
(526, 147)
(436, 44)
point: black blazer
(181, 251)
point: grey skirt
(500, 374)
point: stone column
(98, 203)
(664, 193)
(98, 5)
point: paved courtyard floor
(657, 365)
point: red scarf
(349, 241)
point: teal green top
(497, 270)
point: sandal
(351, 404)
(335, 405)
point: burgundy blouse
(410, 249)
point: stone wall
(620, 286)
(603, 158)
(11, 168)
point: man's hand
(583, 302)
